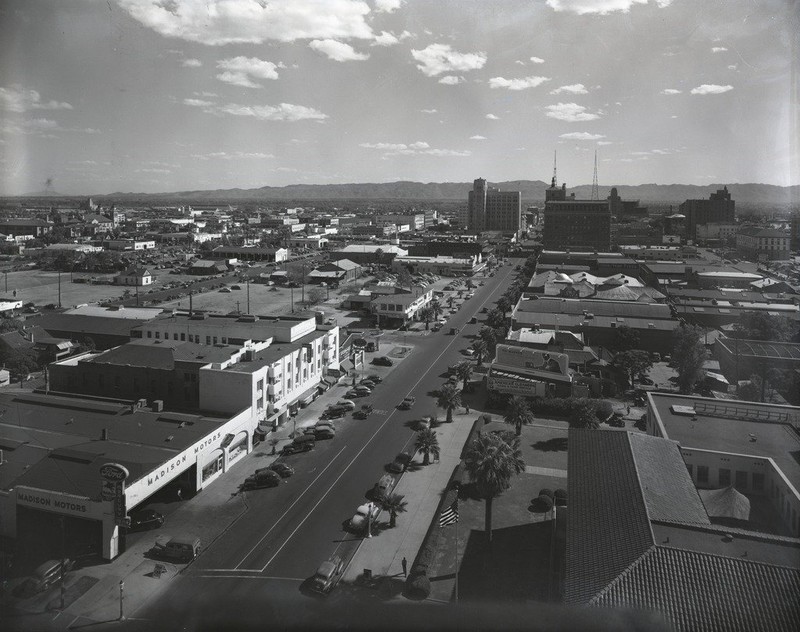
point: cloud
(711, 88)
(718, 49)
(419, 148)
(581, 136)
(670, 91)
(337, 51)
(570, 112)
(281, 112)
(437, 59)
(602, 7)
(575, 88)
(15, 98)
(537, 60)
(236, 155)
(387, 6)
(604, 142)
(239, 70)
(431, 111)
(43, 128)
(492, 117)
(477, 137)
(192, 63)
(220, 22)
(149, 170)
(517, 84)
(385, 39)
(451, 80)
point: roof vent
(169, 438)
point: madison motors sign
(64, 504)
(175, 466)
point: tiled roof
(698, 591)
(668, 490)
(607, 525)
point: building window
(149, 334)
(758, 482)
(702, 474)
(215, 340)
(260, 384)
(158, 334)
(175, 336)
(724, 477)
(208, 340)
(741, 479)
(183, 337)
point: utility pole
(303, 284)
(247, 283)
(59, 288)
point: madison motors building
(111, 432)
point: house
(205, 267)
(134, 276)
(98, 223)
(340, 271)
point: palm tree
(449, 399)
(394, 504)
(436, 308)
(426, 314)
(428, 444)
(518, 413)
(490, 462)
(480, 348)
(464, 372)
(274, 443)
(504, 305)
(488, 335)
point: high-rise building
(575, 224)
(718, 209)
(488, 208)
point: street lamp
(369, 520)
(121, 600)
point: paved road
(264, 558)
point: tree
(426, 314)
(464, 372)
(428, 444)
(480, 348)
(751, 390)
(404, 277)
(584, 415)
(504, 305)
(490, 462)
(633, 362)
(315, 295)
(20, 362)
(436, 308)
(625, 339)
(763, 326)
(449, 399)
(518, 414)
(394, 504)
(495, 319)
(378, 255)
(688, 356)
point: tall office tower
(719, 208)
(492, 209)
(575, 224)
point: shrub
(543, 504)
(560, 497)
(604, 410)
(418, 586)
(546, 492)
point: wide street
(256, 571)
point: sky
(100, 96)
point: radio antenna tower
(595, 192)
(555, 176)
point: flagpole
(456, 561)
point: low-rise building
(529, 372)
(763, 244)
(441, 265)
(134, 276)
(400, 308)
(336, 272)
(129, 244)
(242, 253)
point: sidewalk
(383, 553)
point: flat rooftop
(732, 431)
(54, 442)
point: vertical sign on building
(113, 477)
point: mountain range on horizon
(533, 192)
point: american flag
(449, 515)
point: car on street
(261, 478)
(145, 519)
(43, 577)
(473, 320)
(364, 412)
(383, 361)
(425, 423)
(375, 378)
(327, 575)
(335, 412)
(437, 327)
(320, 431)
(359, 520)
(226, 290)
(303, 443)
(346, 403)
(355, 394)
(363, 388)
(400, 463)
(283, 470)
(368, 383)
(407, 402)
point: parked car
(226, 290)
(264, 477)
(321, 431)
(236, 287)
(346, 403)
(327, 575)
(368, 383)
(375, 378)
(180, 549)
(400, 463)
(144, 519)
(383, 487)
(303, 443)
(335, 412)
(363, 388)
(364, 412)
(283, 470)
(43, 577)
(355, 394)
(407, 402)
(383, 361)
(473, 320)
(364, 512)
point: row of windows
(188, 337)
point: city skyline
(157, 96)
